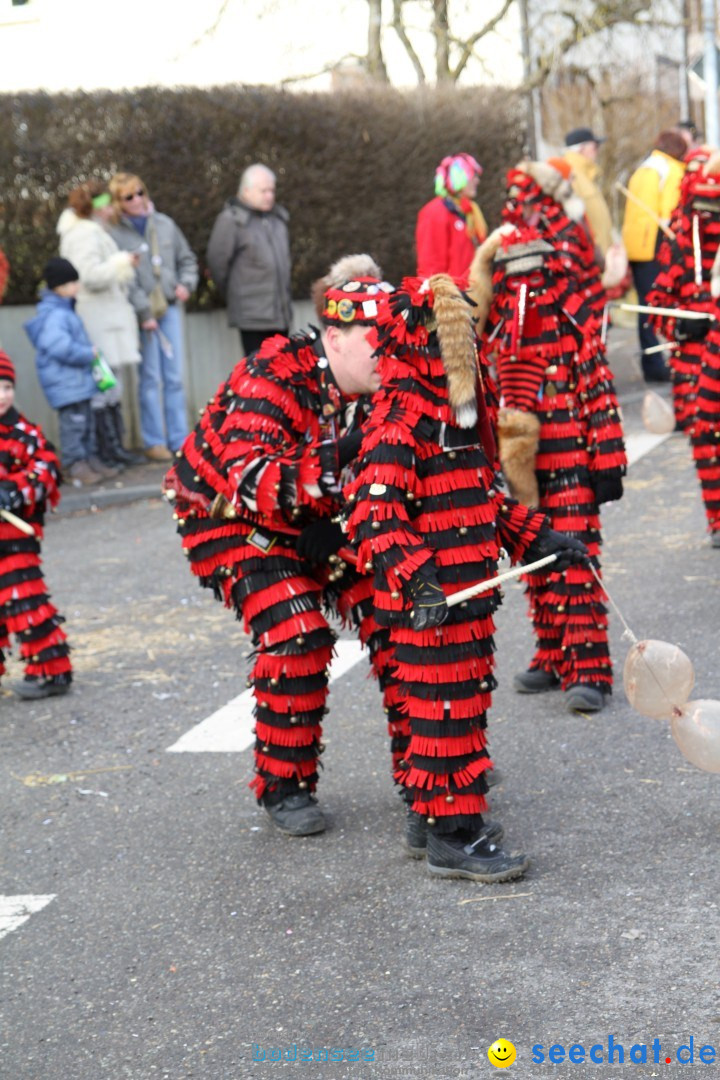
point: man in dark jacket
(249, 259)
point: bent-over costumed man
(429, 521)
(561, 444)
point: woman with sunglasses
(165, 275)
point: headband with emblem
(355, 302)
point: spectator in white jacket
(106, 274)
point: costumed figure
(684, 277)
(257, 485)
(29, 479)
(429, 520)
(451, 226)
(561, 444)
(540, 194)
(690, 280)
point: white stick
(483, 586)
(680, 312)
(659, 348)
(18, 523)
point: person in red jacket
(451, 226)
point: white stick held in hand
(483, 586)
(18, 523)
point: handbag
(157, 298)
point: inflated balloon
(658, 678)
(696, 730)
(657, 415)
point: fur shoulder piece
(69, 220)
(480, 288)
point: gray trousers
(77, 433)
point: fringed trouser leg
(26, 612)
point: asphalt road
(177, 936)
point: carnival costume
(429, 519)
(29, 479)
(254, 481)
(561, 445)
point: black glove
(428, 600)
(10, 496)
(348, 447)
(692, 329)
(319, 540)
(607, 488)
(569, 550)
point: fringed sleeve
(30, 462)
(518, 526)
(600, 411)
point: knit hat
(454, 172)
(7, 368)
(59, 272)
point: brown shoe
(107, 472)
(158, 453)
(82, 475)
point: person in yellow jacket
(654, 193)
(581, 153)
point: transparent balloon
(657, 415)
(658, 678)
(696, 730)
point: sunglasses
(134, 195)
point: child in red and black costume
(29, 478)
(561, 444)
(429, 521)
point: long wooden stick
(17, 523)
(483, 586)
(680, 313)
(644, 206)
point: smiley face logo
(501, 1054)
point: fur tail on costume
(519, 434)
(457, 344)
(480, 288)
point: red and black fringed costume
(690, 280)
(684, 279)
(28, 465)
(536, 190)
(424, 503)
(265, 453)
(561, 443)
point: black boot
(104, 436)
(117, 431)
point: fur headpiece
(348, 293)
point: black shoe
(584, 697)
(452, 857)
(416, 834)
(296, 815)
(535, 681)
(33, 687)
(715, 540)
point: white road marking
(637, 446)
(16, 910)
(229, 729)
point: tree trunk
(375, 61)
(441, 32)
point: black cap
(581, 135)
(58, 272)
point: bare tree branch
(466, 47)
(398, 25)
(375, 60)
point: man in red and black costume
(684, 280)
(540, 194)
(258, 484)
(429, 520)
(690, 280)
(29, 480)
(561, 444)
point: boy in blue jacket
(64, 362)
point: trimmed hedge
(353, 168)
